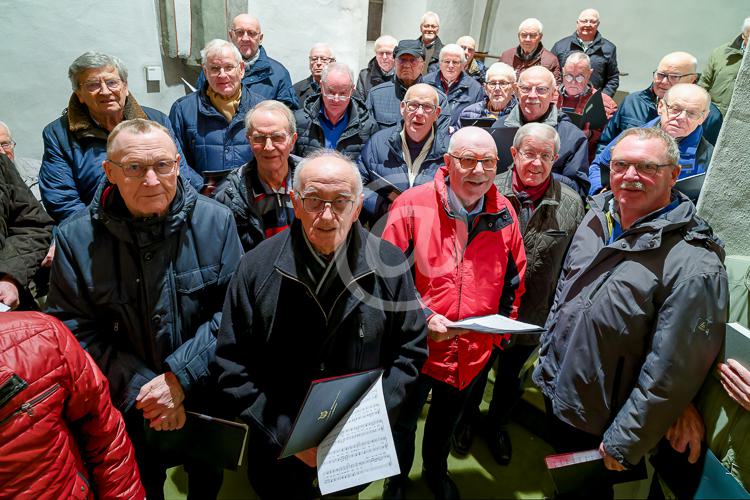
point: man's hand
(687, 431)
(736, 381)
(9, 293)
(47, 260)
(438, 331)
(160, 397)
(609, 461)
(170, 420)
(309, 457)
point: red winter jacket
(60, 436)
(459, 279)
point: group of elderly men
(371, 217)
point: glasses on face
(413, 106)
(322, 59)
(540, 91)
(337, 96)
(528, 36)
(451, 62)
(531, 156)
(430, 26)
(671, 77)
(648, 169)
(675, 111)
(113, 84)
(133, 169)
(239, 33)
(314, 205)
(498, 85)
(576, 78)
(384, 53)
(588, 21)
(7, 146)
(216, 70)
(277, 138)
(469, 163)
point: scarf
(227, 106)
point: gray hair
(501, 69)
(323, 46)
(746, 25)
(433, 92)
(593, 11)
(693, 88)
(91, 60)
(326, 153)
(217, 45)
(532, 22)
(540, 131)
(385, 39)
(429, 14)
(274, 107)
(5, 126)
(671, 149)
(336, 67)
(453, 49)
(136, 126)
(577, 56)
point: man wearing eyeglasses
(530, 51)
(429, 27)
(323, 299)
(605, 74)
(576, 91)
(500, 98)
(139, 277)
(473, 66)
(537, 102)
(469, 260)
(682, 112)
(334, 118)
(461, 89)
(258, 192)
(639, 108)
(321, 55)
(380, 69)
(400, 157)
(638, 317)
(263, 75)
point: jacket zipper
(598, 287)
(28, 406)
(309, 291)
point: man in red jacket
(60, 436)
(469, 260)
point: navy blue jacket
(463, 93)
(208, 141)
(74, 149)
(143, 296)
(383, 168)
(267, 77)
(603, 55)
(384, 104)
(310, 136)
(639, 108)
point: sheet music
(4, 308)
(360, 448)
(496, 323)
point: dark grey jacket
(635, 326)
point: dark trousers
(204, 479)
(507, 390)
(444, 413)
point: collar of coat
(81, 125)
(492, 199)
(438, 148)
(504, 184)
(513, 118)
(536, 54)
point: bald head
(587, 24)
(536, 91)
(675, 67)
(246, 35)
(683, 109)
(472, 164)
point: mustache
(632, 185)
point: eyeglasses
(322, 59)
(340, 206)
(338, 96)
(540, 91)
(672, 78)
(588, 21)
(240, 33)
(498, 85)
(577, 78)
(113, 84)
(384, 53)
(531, 36)
(468, 163)
(675, 111)
(544, 157)
(431, 26)
(450, 62)
(216, 70)
(277, 138)
(621, 166)
(412, 107)
(161, 167)
(8, 145)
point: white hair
(746, 25)
(385, 40)
(3, 125)
(323, 46)
(326, 153)
(593, 11)
(336, 67)
(577, 56)
(430, 14)
(501, 69)
(453, 49)
(217, 45)
(540, 131)
(532, 22)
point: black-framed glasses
(675, 111)
(315, 205)
(576, 78)
(8, 145)
(239, 33)
(113, 84)
(620, 166)
(322, 59)
(544, 157)
(413, 106)
(277, 138)
(671, 77)
(133, 169)
(469, 163)
(216, 70)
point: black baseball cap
(413, 47)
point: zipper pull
(116, 326)
(28, 409)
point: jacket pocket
(196, 279)
(80, 487)
(30, 407)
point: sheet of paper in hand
(495, 323)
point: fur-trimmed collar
(82, 125)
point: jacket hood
(82, 125)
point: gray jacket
(634, 327)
